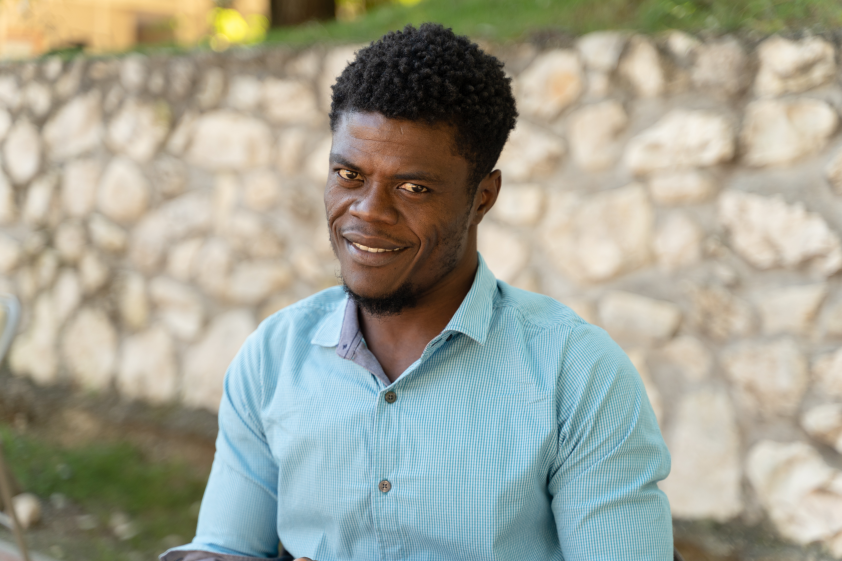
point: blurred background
(675, 177)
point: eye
(348, 174)
(413, 188)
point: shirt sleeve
(239, 509)
(610, 456)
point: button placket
(390, 397)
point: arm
(237, 520)
(610, 457)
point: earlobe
(487, 192)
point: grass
(508, 20)
(109, 477)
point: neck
(398, 340)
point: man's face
(398, 206)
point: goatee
(390, 305)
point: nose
(375, 204)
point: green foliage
(502, 20)
(105, 478)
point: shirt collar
(473, 318)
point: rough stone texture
(833, 172)
(768, 232)
(133, 72)
(777, 132)
(682, 139)
(791, 309)
(289, 101)
(123, 192)
(530, 153)
(39, 198)
(706, 476)
(134, 303)
(519, 205)
(824, 423)
(38, 99)
(630, 316)
(22, 152)
(89, 348)
(832, 319)
(67, 295)
(721, 67)
(251, 282)
(687, 357)
(503, 252)
(206, 362)
(769, 378)
(801, 493)
(34, 351)
(244, 92)
(76, 128)
(148, 369)
(93, 271)
(641, 67)
(178, 306)
(8, 207)
(261, 190)
(552, 82)
(106, 235)
(10, 254)
(79, 185)
(27, 509)
(593, 134)
(597, 238)
(677, 242)
(793, 66)
(138, 129)
(224, 140)
(827, 372)
(674, 188)
(601, 50)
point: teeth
(372, 249)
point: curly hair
(431, 74)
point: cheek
(335, 204)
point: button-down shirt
(521, 432)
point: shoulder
(535, 312)
(303, 318)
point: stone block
(38, 99)
(596, 238)
(261, 190)
(211, 88)
(767, 232)
(519, 204)
(5, 123)
(687, 357)
(799, 491)
(79, 185)
(503, 251)
(678, 242)
(8, 207)
(291, 150)
(182, 134)
(601, 50)
(682, 46)
(89, 349)
(133, 72)
(205, 362)
(93, 271)
(793, 66)
(593, 134)
(244, 92)
(551, 83)
(178, 306)
(685, 187)
(641, 67)
(39, 199)
(779, 132)
(213, 264)
(530, 153)
(169, 176)
(832, 319)
(182, 258)
(769, 378)
(22, 152)
(133, 302)
(289, 101)
(827, 372)
(719, 314)
(824, 423)
(630, 316)
(67, 294)
(148, 369)
(10, 254)
(791, 309)
(682, 139)
(139, 129)
(33, 352)
(721, 67)
(106, 235)
(10, 96)
(316, 165)
(253, 281)
(181, 73)
(123, 194)
(76, 128)
(224, 140)
(706, 477)
(833, 172)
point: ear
(486, 195)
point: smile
(373, 249)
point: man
(428, 411)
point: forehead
(363, 137)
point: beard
(389, 305)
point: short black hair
(431, 74)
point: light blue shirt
(521, 433)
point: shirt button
(390, 397)
(384, 486)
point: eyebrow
(407, 176)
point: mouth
(368, 249)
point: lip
(388, 252)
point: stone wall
(685, 195)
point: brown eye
(348, 174)
(413, 188)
